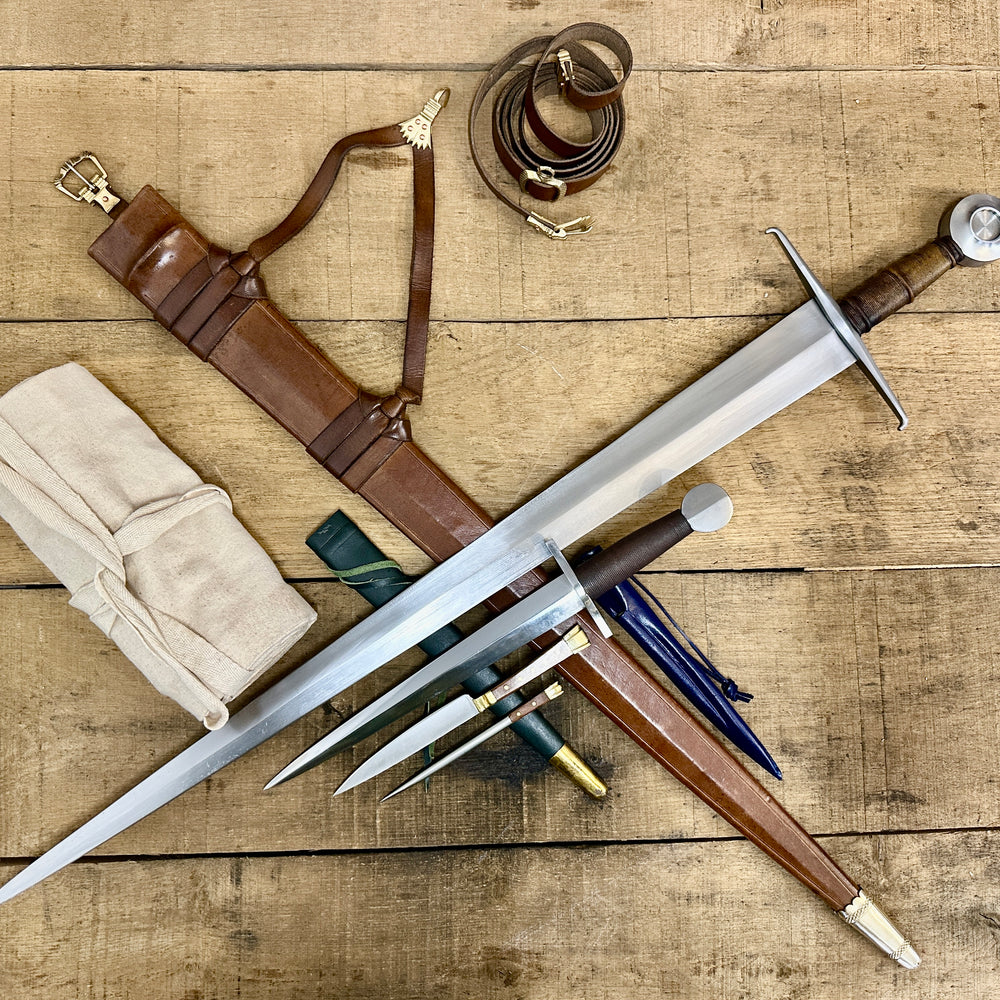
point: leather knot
(394, 405)
(364, 435)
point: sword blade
(790, 359)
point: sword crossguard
(841, 325)
(969, 236)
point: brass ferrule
(484, 701)
(567, 760)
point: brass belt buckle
(545, 176)
(93, 189)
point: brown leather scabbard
(216, 303)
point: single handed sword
(793, 357)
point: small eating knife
(461, 709)
(552, 692)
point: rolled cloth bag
(152, 554)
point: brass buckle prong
(93, 189)
(564, 69)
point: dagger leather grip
(630, 554)
(900, 283)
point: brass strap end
(563, 230)
(417, 130)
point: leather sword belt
(215, 302)
(520, 130)
(151, 249)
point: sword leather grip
(630, 554)
(900, 283)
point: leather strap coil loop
(560, 64)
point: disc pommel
(974, 226)
(704, 508)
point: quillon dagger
(552, 692)
(785, 362)
(705, 508)
(461, 709)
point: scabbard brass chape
(564, 69)
(865, 917)
(417, 130)
(560, 230)
(93, 188)
(545, 176)
(565, 759)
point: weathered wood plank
(699, 921)
(875, 693)
(856, 167)
(510, 407)
(766, 33)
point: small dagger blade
(552, 692)
(458, 711)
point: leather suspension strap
(210, 298)
(519, 128)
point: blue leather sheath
(626, 605)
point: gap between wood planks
(541, 845)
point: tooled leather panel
(419, 499)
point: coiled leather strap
(562, 64)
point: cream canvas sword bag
(153, 555)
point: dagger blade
(788, 360)
(458, 711)
(532, 616)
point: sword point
(279, 779)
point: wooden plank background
(852, 126)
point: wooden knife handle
(899, 284)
